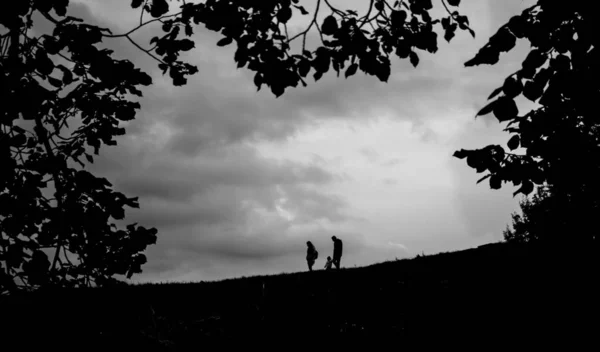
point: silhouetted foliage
(560, 74)
(56, 218)
(551, 218)
(535, 219)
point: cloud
(397, 245)
(202, 157)
(390, 181)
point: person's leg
(336, 262)
(310, 265)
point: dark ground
(494, 292)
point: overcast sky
(236, 181)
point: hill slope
(517, 292)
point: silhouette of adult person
(337, 251)
(311, 255)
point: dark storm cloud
(177, 193)
(188, 154)
(166, 216)
(180, 179)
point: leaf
(379, 5)
(450, 31)
(18, 129)
(303, 67)
(51, 45)
(329, 26)
(317, 75)
(60, 7)
(487, 109)
(503, 40)
(117, 212)
(351, 70)
(189, 30)
(37, 268)
(186, 44)
(485, 56)
(561, 63)
(284, 14)
(537, 176)
(44, 65)
(495, 182)
(505, 109)
(136, 3)
(144, 79)
(463, 22)
(225, 41)
(495, 93)
(159, 8)
(403, 50)
(383, 72)
(516, 25)
(302, 9)
(526, 188)
(454, 2)
(512, 87)
(55, 82)
(398, 18)
(179, 80)
(461, 154)
(414, 58)
(534, 59)
(258, 81)
(426, 4)
(67, 77)
(277, 89)
(513, 143)
(533, 91)
(474, 160)
(19, 140)
(483, 178)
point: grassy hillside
(513, 292)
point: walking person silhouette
(337, 251)
(311, 255)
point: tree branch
(142, 12)
(341, 13)
(366, 17)
(314, 21)
(447, 9)
(146, 51)
(140, 26)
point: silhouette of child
(328, 264)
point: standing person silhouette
(311, 255)
(337, 251)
